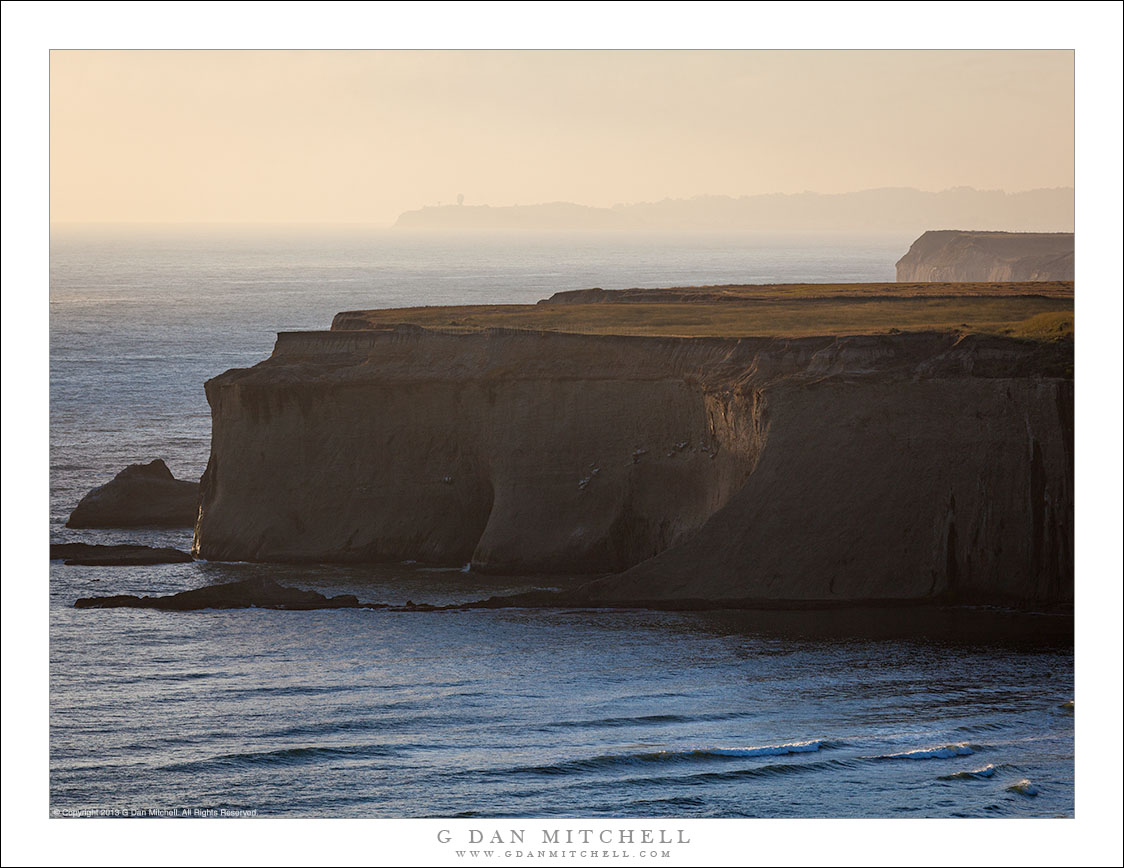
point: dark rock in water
(141, 495)
(260, 593)
(85, 554)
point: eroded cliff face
(826, 469)
(553, 453)
(950, 255)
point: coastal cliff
(950, 255)
(815, 469)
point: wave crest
(686, 755)
(975, 774)
(769, 750)
(1024, 788)
(944, 751)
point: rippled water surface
(502, 713)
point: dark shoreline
(888, 619)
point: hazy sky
(312, 136)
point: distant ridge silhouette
(887, 209)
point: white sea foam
(769, 750)
(975, 774)
(945, 751)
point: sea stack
(141, 495)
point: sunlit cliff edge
(954, 255)
(860, 463)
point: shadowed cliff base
(924, 465)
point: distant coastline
(888, 209)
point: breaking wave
(975, 774)
(944, 751)
(1024, 788)
(772, 750)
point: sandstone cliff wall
(894, 467)
(950, 255)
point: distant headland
(887, 209)
(952, 255)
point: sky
(360, 136)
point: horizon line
(615, 205)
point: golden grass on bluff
(1035, 311)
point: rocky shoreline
(265, 593)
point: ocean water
(481, 713)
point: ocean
(490, 713)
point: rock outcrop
(260, 593)
(85, 554)
(141, 495)
(952, 255)
(834, 469)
